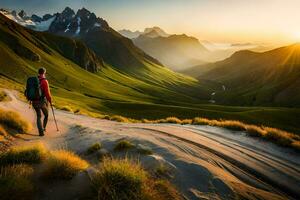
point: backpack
(33, 90)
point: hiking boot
(41, 134)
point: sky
(223, 21)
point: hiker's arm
(46, 91)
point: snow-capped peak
(22, 19)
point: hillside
(150, 92)
(270, 78)
(175, 51)
(23, 51)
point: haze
(235, 21)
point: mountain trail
(203, 162)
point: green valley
(88, 82)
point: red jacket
(44, 88)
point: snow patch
(97, 24)
(78, 25)
(68, 27)
(38, 26)
(44, 25)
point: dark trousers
(39, 108)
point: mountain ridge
(269, 78)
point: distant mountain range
(81, 39)
(271, 78)
(177, 52)
(92, 65)
(95, 32)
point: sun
(296, 35)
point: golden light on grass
(28, 154)
(15, 182)
(14, 121)
(62, 164)
(94, 147)
(123, 145)
(126, 179)
(120, 179)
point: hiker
(38, 92)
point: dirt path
(204, 162)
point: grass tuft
(278, 136)
(118, 118)
(93, 148)
(15, 182)
(162, 189)
(187, 121)
(29, 154)
(3, 132)
(296, 145)
(4, 96)
(14, 121)
(67, 108)
(255, 131)
(173, 120)
(63, 164)
(124, 179)
(123, 145)
(120, 179)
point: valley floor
(204, 162)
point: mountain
(150, 91)
(130, 34)
(95, 32)
(108, 89)
(271, 78)
(175, 51)
(157, 30)
(150, 32)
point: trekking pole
(54, 117)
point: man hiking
(38, 92)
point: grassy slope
(271, 78)
(159, 93)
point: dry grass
(24, 154)
(296, 145)
(3, 133)
(93, 148)
(63, 164)
(67, 108)
(278, 136)
(173, 120)
(162, 189)
(186, 121)
(120, 179)
(15, 183)
(14, 121)
(118, 118)
(123, 145)
(4, 96)
(255, 131)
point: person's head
(42, 71)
